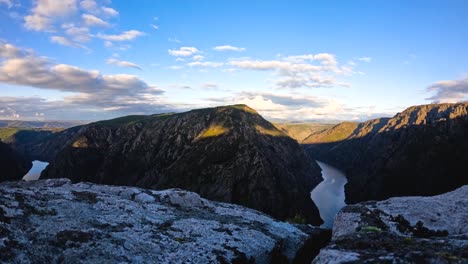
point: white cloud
(198, 57)
(109, 11)
(183, 51)
(228, 48)
(319, 70)
(205, 64)
(89, 5)
(65, 42)
(28, 69)
(90, 20)
(449, 91)
(123, 63)
(45, 12)
(9, 51)
(124, 36)
(78, 34)
(154, 26)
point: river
(329, 195)
(35, 172)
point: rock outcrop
(12, 165)
(421, 151)
(54, 221)
(229, 154)
(402, 230)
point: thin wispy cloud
(183, 51)
(228, 48)
(124, 36)
(121, 63)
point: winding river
(35, 172)
(329, 195)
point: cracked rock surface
(402, 230)
(55, 221)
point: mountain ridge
(408, 154)
(227, 153)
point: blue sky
(290, 60)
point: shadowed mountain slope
(421, 151)
(228, 154)
(12, 165)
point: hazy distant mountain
(12, 165)
(228, 154)
(421, 151)
(39, 124)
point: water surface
(35, 172)
(329, 195)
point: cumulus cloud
(288, 107)
(319, 70)
(90, 87)
(449, 91)
(123, 63)
(124, 36)
(78, 34)
(183, 51)
(89, 5)
(93, 21)
(228, 48)
(45, 11)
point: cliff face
(421, 151)
(54, 221)
(228, 154)
(12, 165)
(401, 230)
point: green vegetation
(298, 219)
(270, 131)
(213, 131)
(7, 132)
(371, 229)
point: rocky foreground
(55, 221)
(402, 230)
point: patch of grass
(269, 131)
(297, 219)
(213, 131)
(7, 132)
(371, 229)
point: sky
(290, 60)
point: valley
(231, 154)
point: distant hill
(331, 134)
(299, 131)
(228, 154)
(39, 124)
(421, 151)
